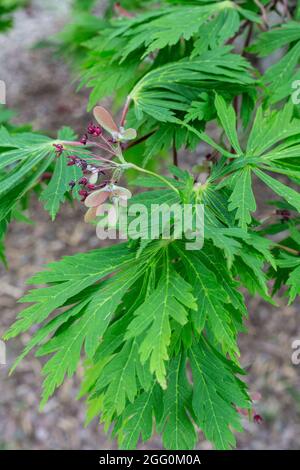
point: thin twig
(120, 11)
(288, 249)
(175, 154)
(125, 111)
(108, 144)
(46, 176)
(143, 170)
(139, 141)
(272, 5)
(263, 13)
(248, 38)
(96, 144)
(286, 9)
(239, 32)
(89, 144)
(94, 156)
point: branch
(289, 250)
(175, 155)
(140, 140)
(125, 111)
(263, 13)
(138, 168)
(239, 32)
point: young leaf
(212, 312)
(294, 283)
(68, 278)
(54, 194)
(218, 65)
(242, 198)
(118, 380)
(227, 116)
(89, 328)
(137, 420)
(179, 430)
(216, 392)
(170, 299)
(289, 194)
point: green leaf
(29, 159)
(242, 198)
(292, 279)
(21, 140)
(294, 284)
(179, 431)
(227, 117)
(104, 303)
(270, 128)
(119, 379)
(213, 312)
(168, 26)
(89, 328)
(47, 329)
(14, 195)
(87, 321)
(289, 194)
(249, 267)
(54, 194)
(279, 77)
(214, 33)
(217, 66)
(137, 420)
(216, 392)
(170, 299)
(275, 38)
(68, 278)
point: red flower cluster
(96, 131)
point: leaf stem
(125, 111)
(88, 144)
(143, 170)
(288, 249)
(263, 13)
(140, 140)
(175, 154)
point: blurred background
(42, 90)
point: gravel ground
(40, 87)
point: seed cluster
(94, 165)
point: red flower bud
(97, 131)
(94, 130)
(91, 128)
(83, 164)
(84, 139)
(257, 419)
(285, 214)
(58, 149)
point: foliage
(158, 324)
(7, 7)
